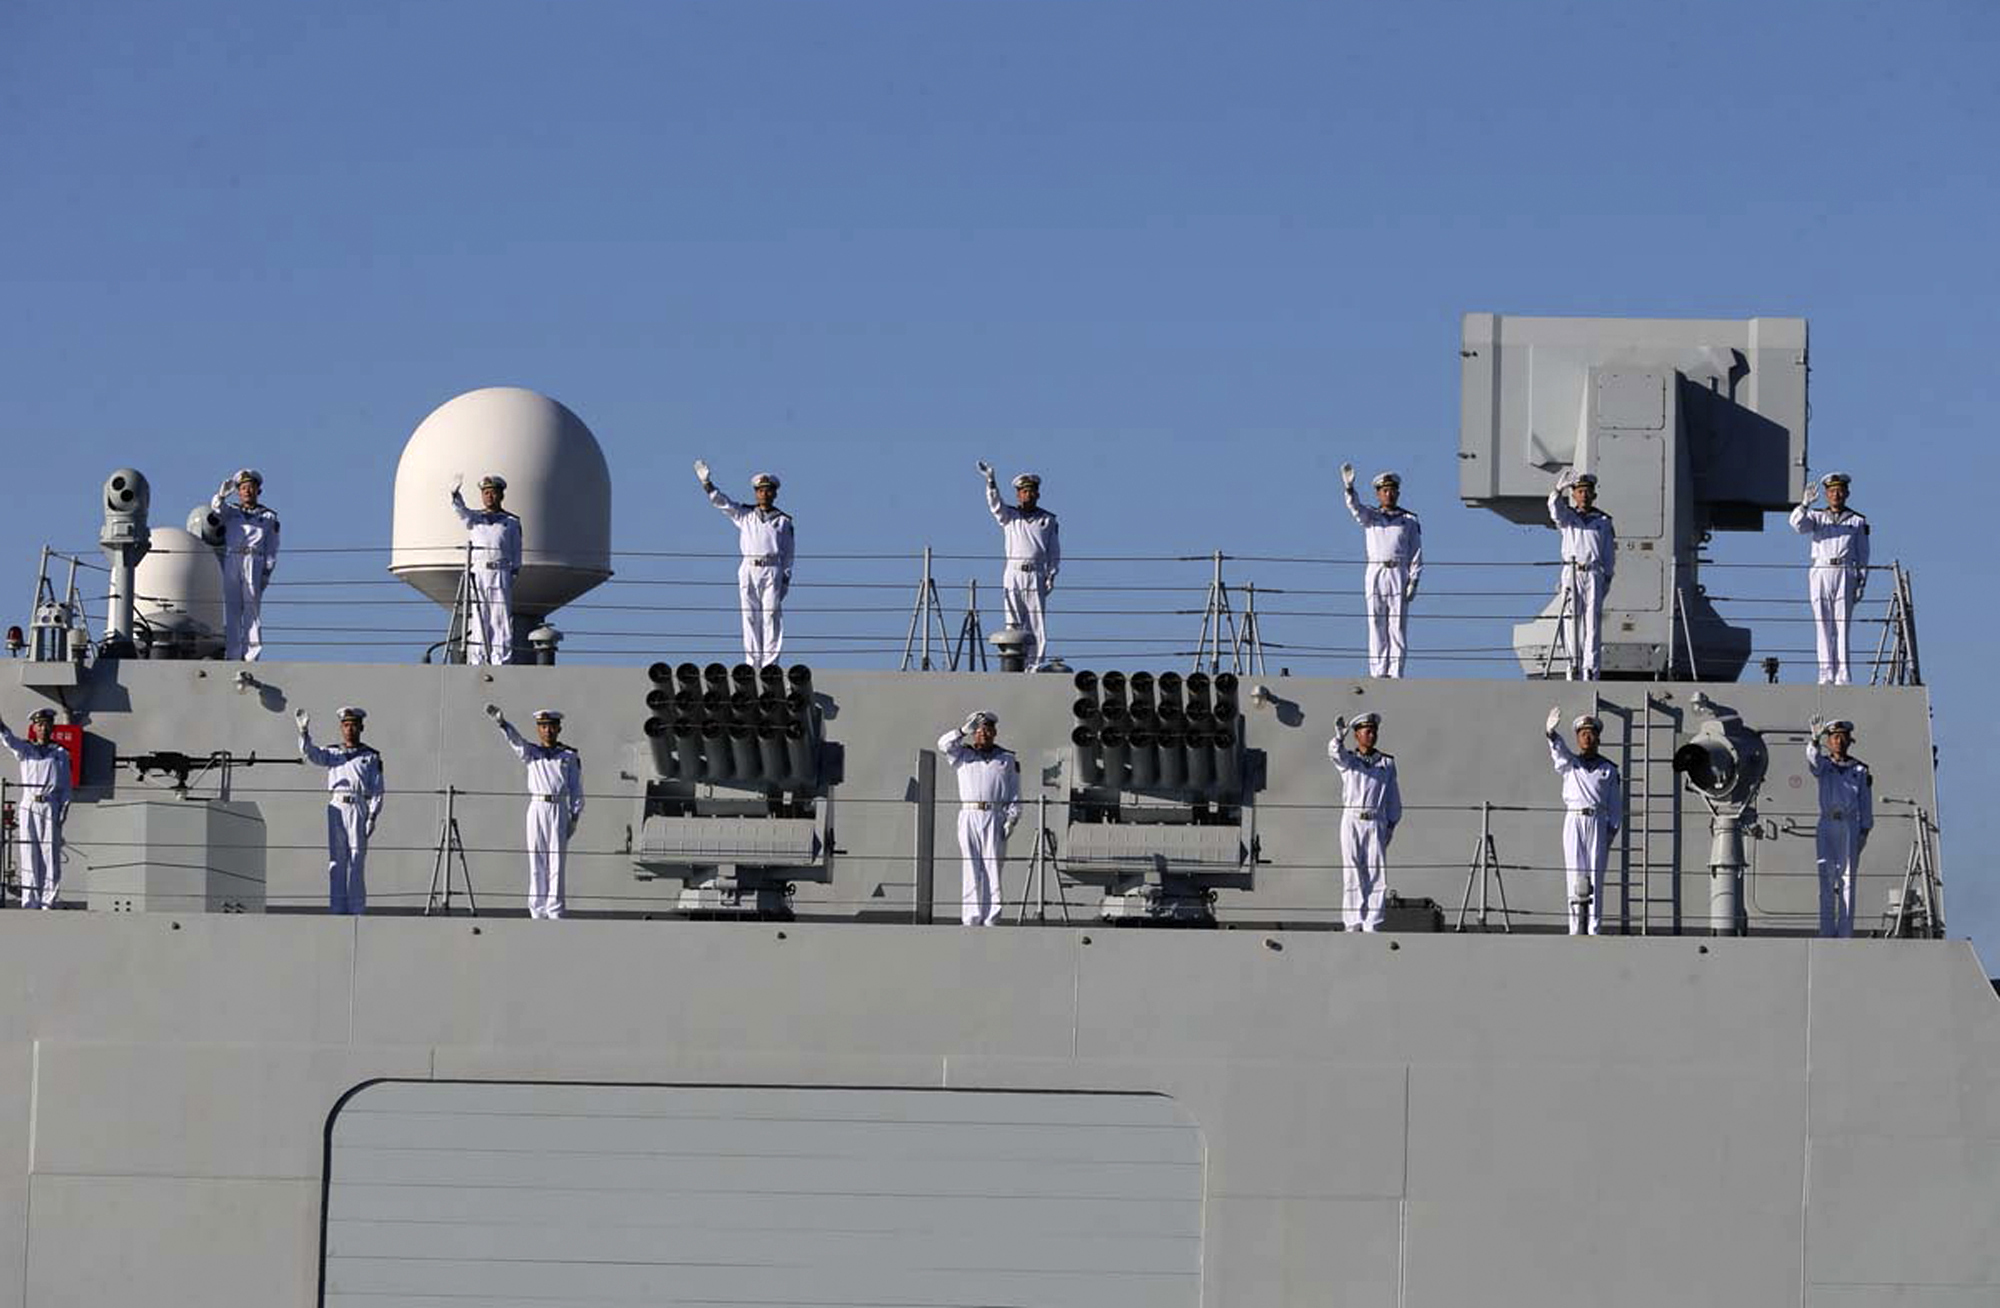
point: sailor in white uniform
(1372, 805)
(43, 803)
(1395, 564)
(1839, 572)
(1594, 794)
(764, 534)
(249, 555)
(1034, 556)
(353, 803)
(555, 806)
(1846, 816)
(495, 536)
(989, 804)
(1590, 555)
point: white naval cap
(1387, 479)
(1838, 724)
(765, 479)
(493, 479)
(1586, 720)
(549, 715)
(250, 474)
(1836, 479)
(1365, 720)
(350, 713)
(1584, 479)
(1027, 479)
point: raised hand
(493, 711)
(1347, 475)
(1340, 728)
(986, 470)
(1816, 725)
(1555, 718)
(228, 485)
(457, 483)
(303, 718)
(701, 471)
(971, 721)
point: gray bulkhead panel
(761, 1194)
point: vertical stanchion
(923, 898)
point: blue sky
(1182, 259)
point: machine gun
(187, 768)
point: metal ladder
(1652, 835)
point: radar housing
(1692, 426)
(557, 482)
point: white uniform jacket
(764, 535)
(1394, 536)
(1588, 539)
(1368, 786)
(1033, 538)
(248, 534)
(44, 770)
(1839, 539)
(495, 537)
(353, 775)
(1590, 785)
(555, 775)
(1846, 790)
(990, 781)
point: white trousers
(346, 858)
(1024, 595)
(1586, 587)
(982, 840)
(1388, 620)
(38, 846)
(242, 606)
(1586, 849)
(1364, 846)
(548, 853)
(489, 632)
(1831, 591)
(761, 588)
(1838, 847)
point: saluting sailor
(1594, 794)
(249, 555)
(555, 805)
(1034, 556)
(1590, 555)
(1839, 572)
(1372, 803)
(44, 802)
(1395, 564)
(764, 533)
(1846, 816)
(353, 803)
(989, 804)
(495, 536)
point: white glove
(304, 720)
(369, 830)
(986, 470)
(971, 721)
(1340, 728)
(1815, 724)
(228, 485)
(1410, 593)
(493, 711)
(1347, 475)
(701, 471)
(1565, 478)
(1555, 718)
(1008, 829)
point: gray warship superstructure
(762, 1065)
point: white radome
(557, 481)
(177, 589)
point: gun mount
(1692, 427)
